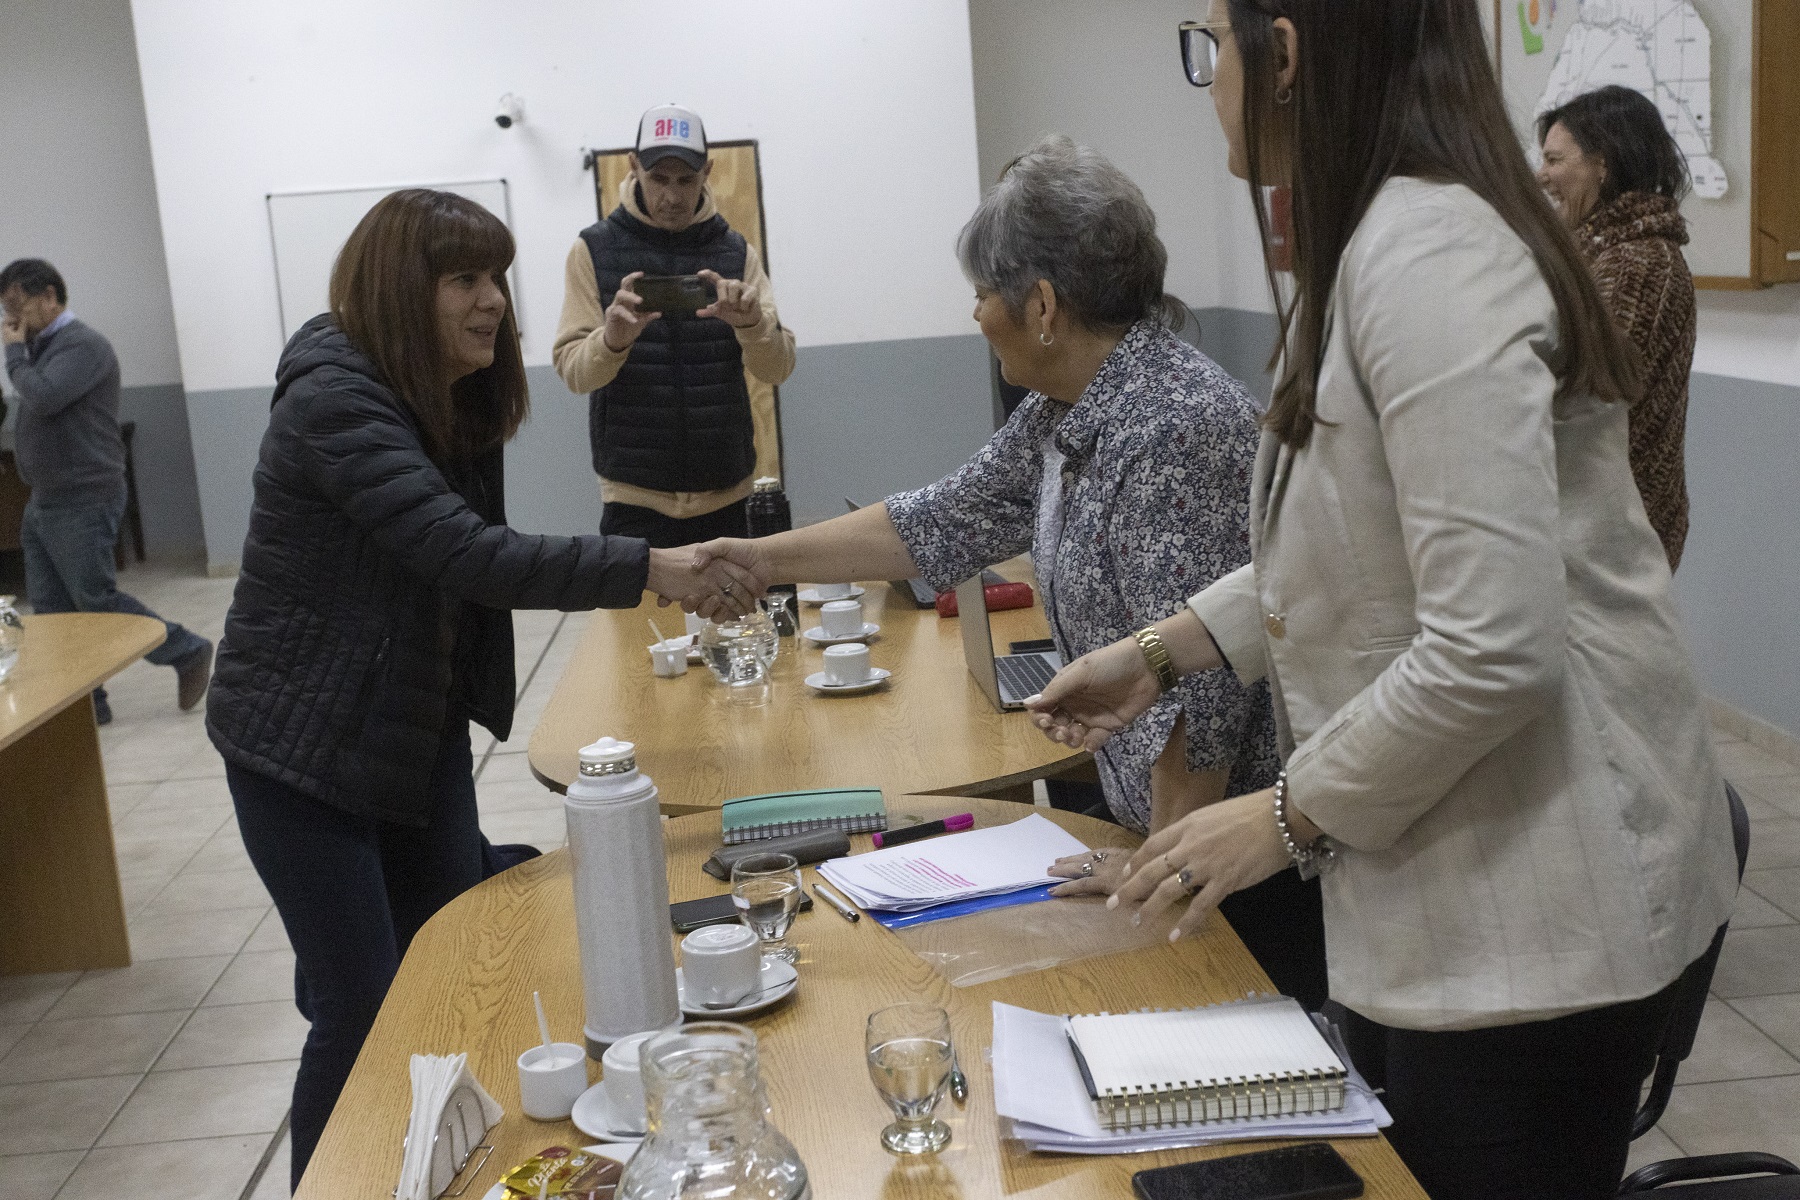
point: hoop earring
(1045, 339)
(1283, 95)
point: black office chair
(1766, 1176)
(133, 524)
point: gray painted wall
(1739, 582)
(162, 456)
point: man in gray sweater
(71, 456)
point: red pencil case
(999, 596)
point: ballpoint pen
(832, 898)
(959, 1083)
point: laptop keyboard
(1023, 675)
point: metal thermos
(766, 511)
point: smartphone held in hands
(673, 295)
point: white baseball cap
(671, 131)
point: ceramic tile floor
(170, 1078)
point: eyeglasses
(1200, 50)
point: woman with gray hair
(1125, 473)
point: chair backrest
(1690, 993)
(1775, 1177)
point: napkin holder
(461, 1131)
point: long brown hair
(1385, 88)
(384, 297)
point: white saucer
(589, 1115)
(877, 677)
(619, 1152)
(818, 637)
(779, 979)
(811, 595)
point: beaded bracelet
(1310, 860)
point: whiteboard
(1531, 36)
(307, 229)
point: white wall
(864, 113)
(1751, 335)
(1110, 77)
(79, 190)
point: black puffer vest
(676, 418)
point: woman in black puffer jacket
(371, 621)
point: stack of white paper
(1038, 1089)
(957, 866)
(450, 1113)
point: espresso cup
(847, 664)
(623, 1081)
(669, 659)
(831, 591)
(551, 1079)
(842, 618)
(720, 964)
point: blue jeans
(69, 568)
(352, 891)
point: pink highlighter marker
(912, 833)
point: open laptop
(1010, 679)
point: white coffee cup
(669, 659)
(551, 1079)
(720, 964)
(831, 591)
(842, 618)
(623, 1081)
(847, 664)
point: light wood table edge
(151, 633)
(466, 986)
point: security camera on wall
(512, 112)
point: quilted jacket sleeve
(358, 451)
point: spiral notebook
(1259, 1057)
(777, 814)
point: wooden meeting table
(466, 984)
(930, 729)
(60, 903)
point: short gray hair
(1064, 213)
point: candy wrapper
(563, 1174)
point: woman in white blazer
(1495, 748)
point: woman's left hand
(1223, 848)
(1091, 873)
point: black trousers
(1539, 1111)
(352, 892)
(666, 533)
(1281, 920)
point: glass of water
(766, 890)
(909, 1061)
(739, 652)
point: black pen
(830, 897)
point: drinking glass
(909, 1062)
(766, 890)
(739, 651)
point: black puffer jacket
(372, 585)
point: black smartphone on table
(1310, 1171)
(690, 915)
(673, 295)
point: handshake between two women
(713, 586)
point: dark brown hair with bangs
(1385, 88)
(384, 297)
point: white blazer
(1478, 675)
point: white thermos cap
(608, 756)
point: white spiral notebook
(1258, 1057)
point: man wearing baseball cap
(669, 412)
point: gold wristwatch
(1157, 656)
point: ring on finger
(1185, 878)
(1100, 855)
(1087, 869)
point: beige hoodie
(585, 362)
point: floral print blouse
(1151, 504)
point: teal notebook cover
(777, 814)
